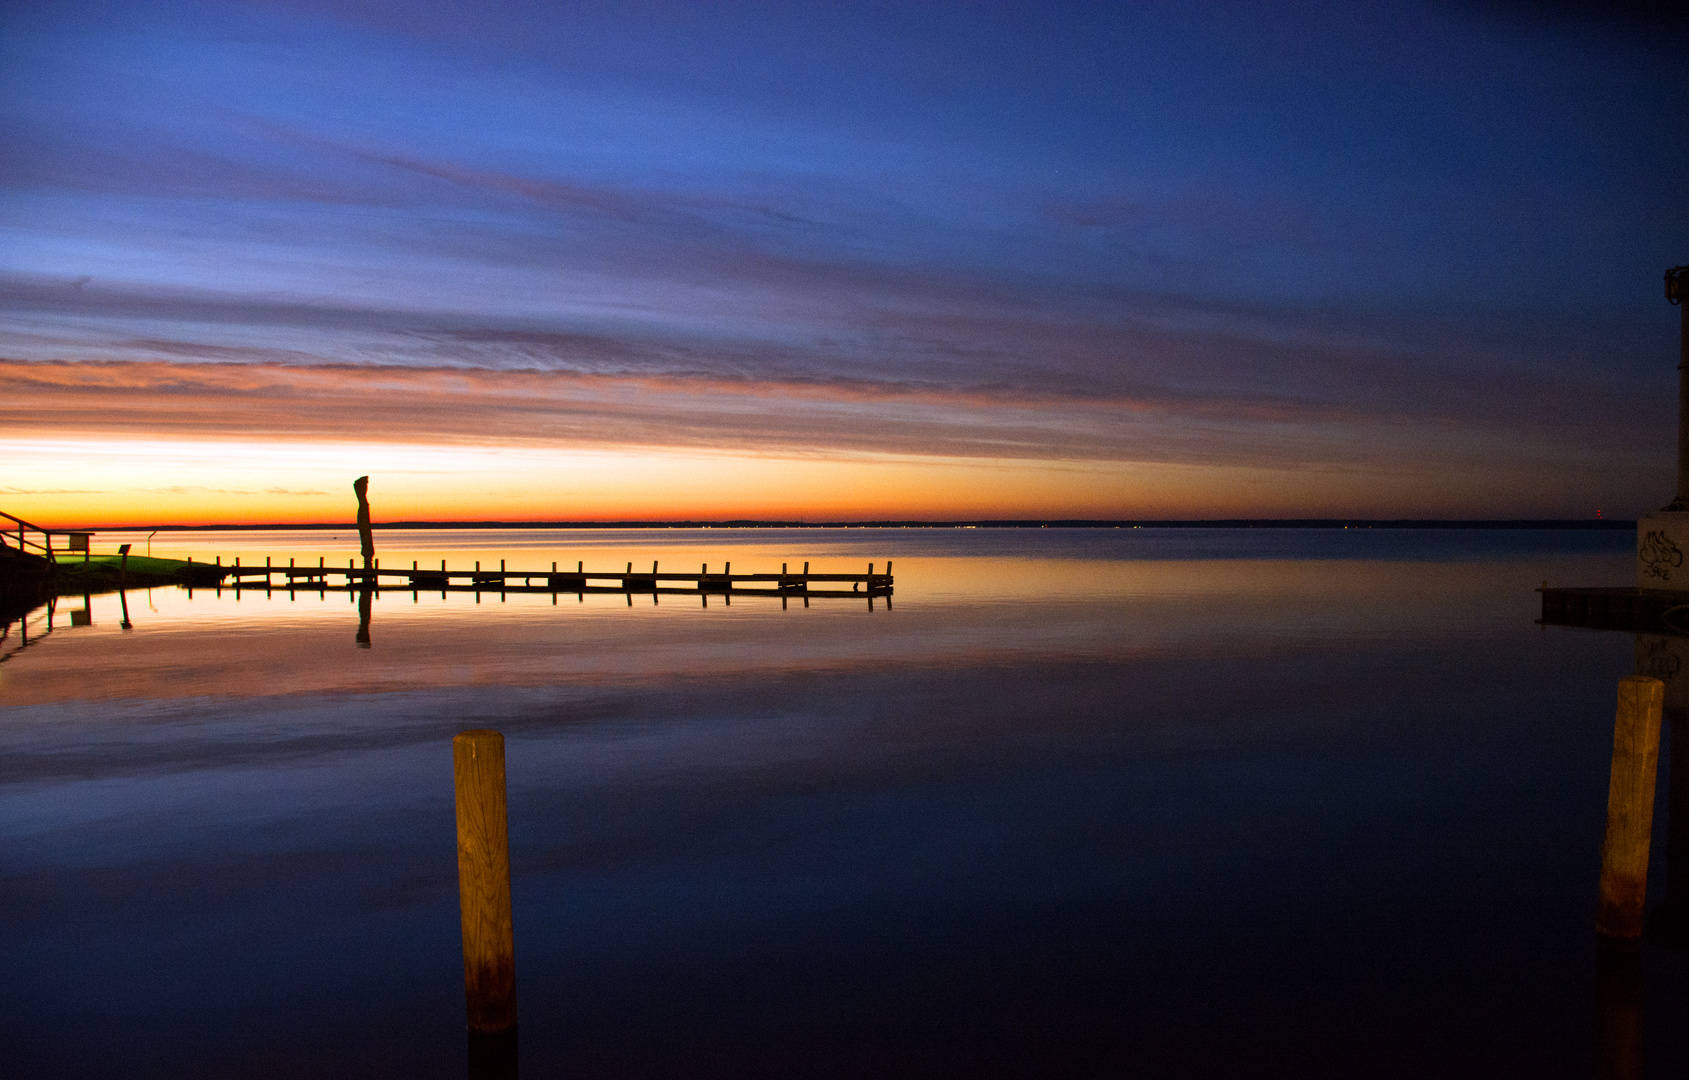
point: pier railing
(43, 547)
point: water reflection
(1095, 798)
(14, 633)
(365, 598)
(493, 1057)
(1619, 1009)
(951, 607)
(1666, 657)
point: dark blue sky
(1385, 258)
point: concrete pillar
(1662, 539)
(1674, 294)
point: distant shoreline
(1597, 524)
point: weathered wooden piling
(483, 880)
(1630, 807)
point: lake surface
(1081, 802)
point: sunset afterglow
(541, 263)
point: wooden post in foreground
(483, 882)
(1630, 807)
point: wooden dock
(353, 578)
(1647, 611)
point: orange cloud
(480, 406)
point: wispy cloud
(479, 406)
(193, 489)
(906, 341)
(1216, 236)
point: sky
(522, 261)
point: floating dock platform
(1645, 611)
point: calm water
(1080, 803)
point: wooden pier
(704, 582)
(1647, 611)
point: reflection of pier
(10, 647)
(580, 581)
(82, 616)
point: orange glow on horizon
(134, 482)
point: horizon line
(914, 523)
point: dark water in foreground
(1082, 803)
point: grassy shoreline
(104, 573)
(28, 581)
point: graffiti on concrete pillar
(1659, 555)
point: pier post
(123, 584)
(1630, 807)
(483, 878)
(1666, 657)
